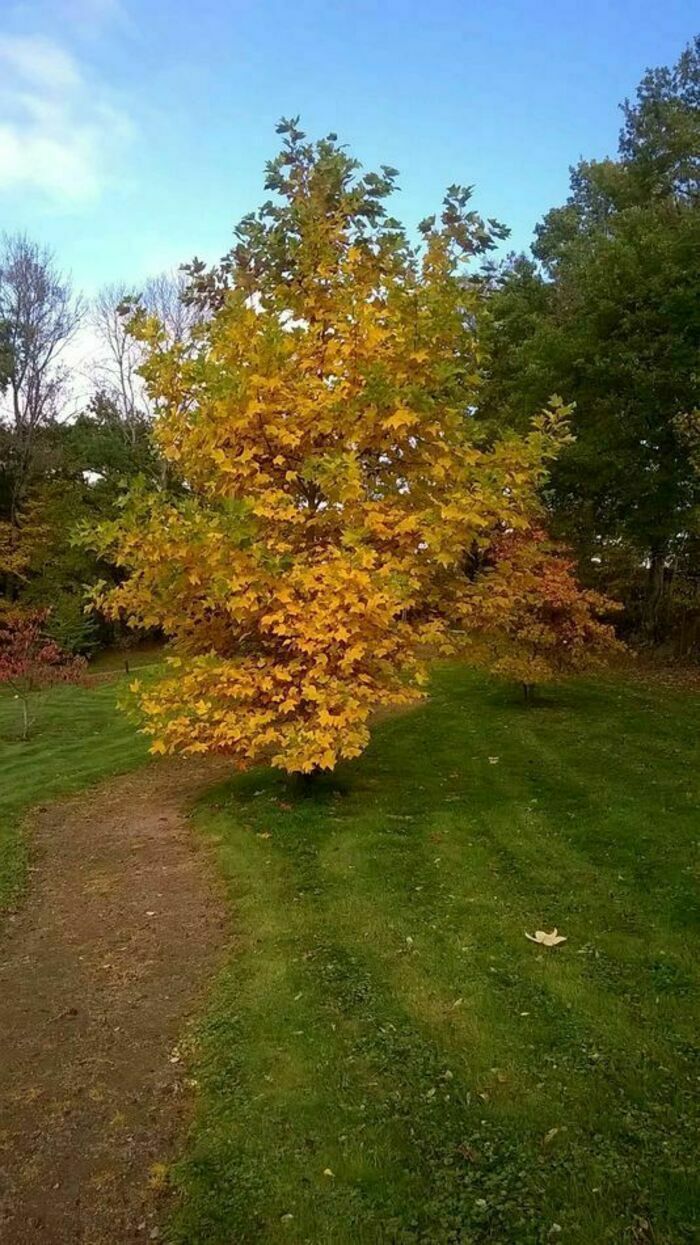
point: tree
(529, 618)
(660, 139)
(333, 482)
(166, 296)
(89, 463)
(609, 315)
(39, 315)
(5, 357)
(117, 372)
(31, 660)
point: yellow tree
(319, 419)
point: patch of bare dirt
(120, 933)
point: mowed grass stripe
(384, 1018)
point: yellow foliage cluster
(331, 485)
(14, 550)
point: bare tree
(117, 372)
(39, 314)
(164, 297)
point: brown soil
(121, 930)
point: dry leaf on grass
(544, 939)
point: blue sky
(133, 132)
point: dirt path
(121, 929)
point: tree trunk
(306, 783)
(656, 583)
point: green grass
(383, 1017)
(147, 653)
(78, 737)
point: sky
(133, 133)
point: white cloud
(60, 133)
(39, 62)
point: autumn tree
(322, 425)
(530, 621)
(30, 659)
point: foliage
(333, 480)
(30, 659)
(87, 465)
(533, 621)
(74, 630)
(610, 316)
(15, 551)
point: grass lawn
(386, 1057)
(77, 738)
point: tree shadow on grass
(286, 790)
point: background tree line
(61, 468)
(605, 312)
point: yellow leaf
(401, 418)
(546, 940)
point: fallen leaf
(544, 939)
